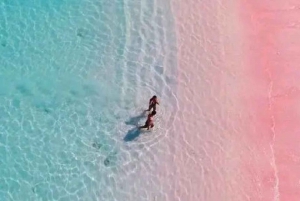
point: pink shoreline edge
(238, 95)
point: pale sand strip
(208, 138)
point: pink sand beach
(236, 134)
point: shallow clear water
(75, 77)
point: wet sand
(271, 30)
(238, 95)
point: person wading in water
(152, 103)
(150, 121)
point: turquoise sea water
(75, 76)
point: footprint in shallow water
(23, 90)
(47, 110)
(96, 145)
(81, 32)
(43, 107)
(110, 160)
(106, 162)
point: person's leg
(150, 126)
(154, 107)
(145, 126)
(150, 107)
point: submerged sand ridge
(236, 128)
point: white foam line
(273, 164)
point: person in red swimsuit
(152, 103)
(150, 121)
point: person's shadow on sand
(135, 120)
(132, 134)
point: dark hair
(154, 97)
(153, 113)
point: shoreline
(238, 95)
